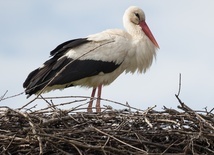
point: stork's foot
(89, 109)
(98, 109)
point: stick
(179, 87)
(119, 140)
(184, 106)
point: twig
(184, 106)
(107, 100)
(57, 148)
(33, 130)
(148, 122)
(119, 140)
(170, 121)
(2, 97)
(5, 150)
(106, 141)
(149, 109)
(211, 110)
(168, 147)
(179, 88)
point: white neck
(134, 30)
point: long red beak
(148, 33)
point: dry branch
(53, 130)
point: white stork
(98, 59)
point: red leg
(98, 109)
(91, 100)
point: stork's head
(135, 24)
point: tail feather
(36, 81)
(39, 78)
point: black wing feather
(79, 69)
(74, 70)
(62, 48)
(38, 75)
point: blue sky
(184, 30)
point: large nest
(55, 131)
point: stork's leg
(91, 100)
(98, 109)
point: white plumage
(97, 59)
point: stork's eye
(138, 16)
